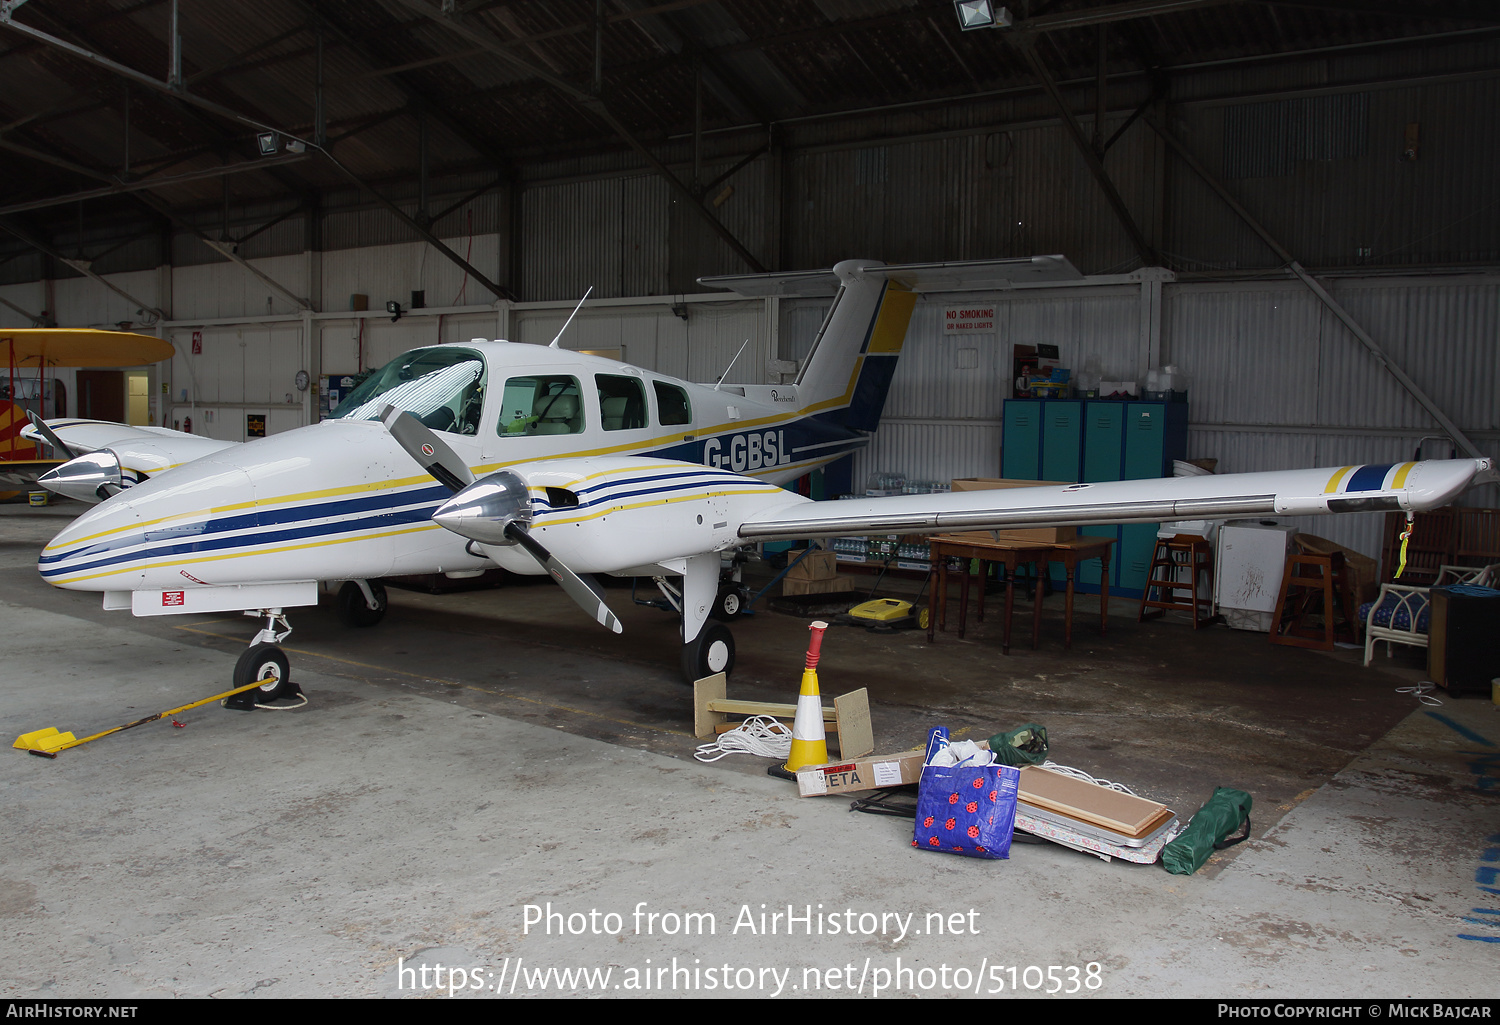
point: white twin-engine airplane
(461, 457)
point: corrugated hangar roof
(87, 105)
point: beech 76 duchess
(457, 458)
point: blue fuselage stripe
(1368, 478)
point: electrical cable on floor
(1068, 770)
(1420, 692)
(759, 735)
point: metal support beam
(1316, 287)
(143, 184)
(1026, 46)
(36, 321)
(1105, 15)
(596, 107)
(174, 45)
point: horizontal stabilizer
(956, 276)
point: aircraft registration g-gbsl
(461, 457)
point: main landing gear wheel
(354, 610)
(260, 662)
(731, 603)
(711, 652)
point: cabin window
(622, 402)
(443, 388)
(672, 404)
(540, 404)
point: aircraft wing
(1412, 486)
(148, 450)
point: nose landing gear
(264, 660)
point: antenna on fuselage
(570, 318)
(731, 366)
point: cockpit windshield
(442, 387)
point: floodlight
(974, 14)
(269, 143)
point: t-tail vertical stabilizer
(848, 372)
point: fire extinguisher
(187, 425)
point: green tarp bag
(1026, 745)
(1226, 812)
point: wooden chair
(1187, 553)
(1316, 606)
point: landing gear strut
(361, 603)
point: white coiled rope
(759, 735)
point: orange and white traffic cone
(809, 742)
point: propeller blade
(583, 590)
(51, 436)
(469, 516)
(431, 452)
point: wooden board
(1080, 799)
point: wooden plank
(705, 691)
(1088, 802)
(856, 735)
(733, 707)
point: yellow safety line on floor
(453, 683)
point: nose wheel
(264, 662)
(712, 651)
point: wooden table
(1012, 555)
(1070, 554)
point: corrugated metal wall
(1278, 381)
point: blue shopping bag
(965, 809)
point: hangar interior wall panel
(1012, 190)
(83, 302)
(610, 234)
(393, 272)
(464, 327)
(242, 369)
(225, 289)
(1341, 206)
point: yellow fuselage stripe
(1337, 479)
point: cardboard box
(1049, 535)
(834, 585)
(867, 773)
(820, 564)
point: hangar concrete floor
(478, 755)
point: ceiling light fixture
(973, 14)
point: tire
(730, 604)
(354, 610)
(259, 662)
(711, 652)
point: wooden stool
(1185, 551)
(1315, 607)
